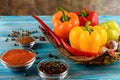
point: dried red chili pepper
(76, 52)
(55, 37)
(87, 15)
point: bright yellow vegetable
(88, 38)
(112, 28)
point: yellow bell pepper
(112, 28)
(88, 38)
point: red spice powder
(25, 39)
(17, 56)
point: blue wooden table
(77, 71)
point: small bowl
(26, 42)
(47, 76)
(26, 46)
(21, 67)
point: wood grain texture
(76, 72)
(47, 7)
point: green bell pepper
(112, 28)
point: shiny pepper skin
(63, 22)
(89, 41)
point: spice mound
(17, 56)
(25, 39)
(54, 67)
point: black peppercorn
(56, 57)
(9, 35)
(55, 67)
(36, 62)
(6, 40)
(16, 44)
(38, 58)
(42, 38)
(13, 39)
(36, 31)
(50, 55)
(37, 52)
(25, 75)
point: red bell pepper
(55, 37)
(87, 15)
(76, 52)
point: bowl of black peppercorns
(53, 69)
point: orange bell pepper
(63, 22)
(88, 39)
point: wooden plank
(43, 49)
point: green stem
(87, 26)
(83, 13)
(64, 17)
(117, 52)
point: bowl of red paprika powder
(18, 59)
(53, 69)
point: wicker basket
(101, 59)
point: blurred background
(47, 7)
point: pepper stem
(64, 17)
(83, 13)
(87, 26)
